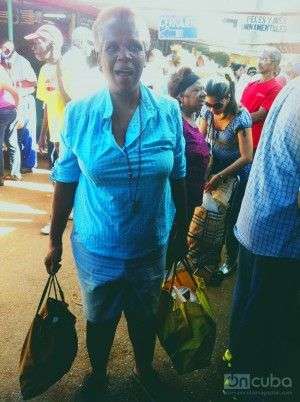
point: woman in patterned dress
(228, 130)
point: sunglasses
(216, 106)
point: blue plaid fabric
(269, 220)
(105, 221)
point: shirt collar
(149, 103)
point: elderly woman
(186, 87)
(228, 129)
(122, 168)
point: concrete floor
(24, 209)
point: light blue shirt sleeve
(179, 168)
(66, 168)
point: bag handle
(188, 268)
(61, 293)
(171, 273)
(173, 268)
(46, 290)
(52, 281)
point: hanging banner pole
(10, 20)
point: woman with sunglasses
(186, 87)
(228, 129)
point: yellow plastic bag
(186, 330)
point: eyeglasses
(216, 106)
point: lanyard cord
(133, 194)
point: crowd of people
(135, 145)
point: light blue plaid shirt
(269, 220)
(104, 219)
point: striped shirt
(269, 220)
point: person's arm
(180, 201)
(60, 82)
(12, 91)
(260, 115)
(44, 129)
(178, 248)
(28, 86)
(66, 174)
(246, 152)
(178, 239)
(28, 81)
(61, 207)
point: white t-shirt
(79, 79)
(21, 70)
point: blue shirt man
(263, 322)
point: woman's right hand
(53, 259)
(213, 183)
(42, 143)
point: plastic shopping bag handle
(172, 273)
(188, 268)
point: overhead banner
(231, 28)
(265, 28)
(174, 27)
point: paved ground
(24, 209)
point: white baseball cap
(47, 31)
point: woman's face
(193, 97)
(217, 106)
(122, 55)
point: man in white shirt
(80, 80)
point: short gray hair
(122, 14)
(274, 53)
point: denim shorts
(110, 285)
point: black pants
(8, 135)
(265, 320)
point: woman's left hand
(213, 183)
(178, 246)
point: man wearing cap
(47, 44)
